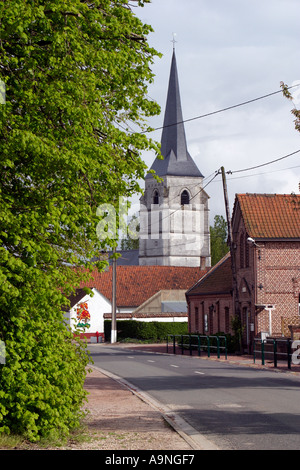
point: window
(185, 198)
(242, 251)
(155, 197)
(247, 252)
(226, 319)
(211, 319)
(196, 319)
(205, 323)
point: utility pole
(231, 246)
(113, 336)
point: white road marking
(149, 360)
(198, 372)
(172, 365)
(228, 405)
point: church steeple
(173, 136)
(177, 160)
(174, 228)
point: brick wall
(272, 278)
(210, 315)
(268, 275)
(278, 270)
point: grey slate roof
(177, 160)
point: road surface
(234, 407)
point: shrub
(155, 331)
(43, 376)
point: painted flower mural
(83, 315)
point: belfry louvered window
(185, 198)
(155, 197)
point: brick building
(266, 236)
(210, 300)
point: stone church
(174, 217)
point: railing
(198, 344)
(274, 350)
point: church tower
(174, 227)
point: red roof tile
(136, 284)
(217, 281)
(270, 215)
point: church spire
(174, 227)
(173, 136)
(177, 160)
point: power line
(219, 111)
(263, 164)
(262, 173)
(201, 189)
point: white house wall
(97, 306)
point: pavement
(127, 418)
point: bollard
(218, 347)
(263, 353)
(199, 346)
(208, 347)
(275, 352)
(289, 353)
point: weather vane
(174, 40)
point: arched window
(226, 319)
(185, 198)
(246, 253)
(155, 197)
(242, 251)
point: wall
(154, 304)
(278, 271)
(97, 305)
(268, 283)
(246, 259)
(213, 315)
(168, 235)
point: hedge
(154, 330)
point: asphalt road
(235, 407)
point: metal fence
(274, 350)
(198, 344)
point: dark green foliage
(76, 73)
(140, 330)
(232, 341)
(218, 239)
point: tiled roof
(135, 284)
(216, 281)
(270, 215)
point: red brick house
(210, 300)
(266, 236)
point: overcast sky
(229, 52)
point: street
(234, 407)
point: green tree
(131, 241)
(76, 75)
(218, 239)
(295, 111)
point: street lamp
(251, 241)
